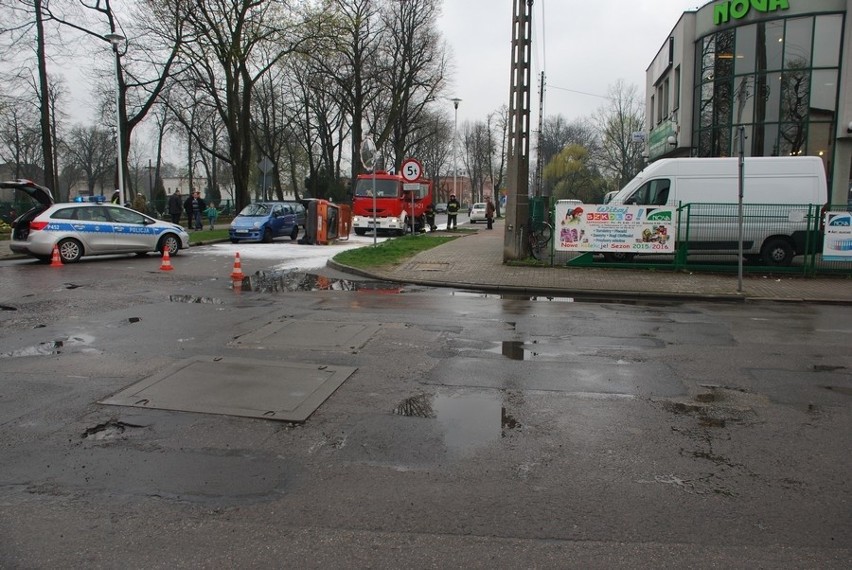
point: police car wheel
(70, 250)
(169, 242)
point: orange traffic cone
(237, 274)
(55, 260)
(167, 261)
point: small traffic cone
(55, 260)
(237, 273)
(167, 261)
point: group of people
(195, 207)
(453, 207)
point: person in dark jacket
(489, 213)
(195, 207)
(175, 207)
(453, 208)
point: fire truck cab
(389, 203)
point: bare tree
(20, 140)
(412, 75)
(616, 121)
(476, 155)
(433, 150)
(91, 150)
(352, 64)
(140, 73)
(25, 22)
(236, 42)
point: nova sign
(738, 9)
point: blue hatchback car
(265, 221)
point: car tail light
(36, 226)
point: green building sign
(739, 9)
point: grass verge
(197, 236)
(391, 251)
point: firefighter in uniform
(430, 218)
(453, 207)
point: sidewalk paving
(475, 261)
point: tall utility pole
(539, 158)
(518, 170)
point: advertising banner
(615, 228)
(837, 245)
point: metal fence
(776, 238)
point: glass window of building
(676, 88)
(828, 31)
(745, 52)
(777, 78)
(797, 43)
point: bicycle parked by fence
(540, 234)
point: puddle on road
(514, 350)
(512, 297)
(292, 281)
(467, 421)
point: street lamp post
(115, 40)
(456, 102)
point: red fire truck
(392, 201)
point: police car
(79, 229)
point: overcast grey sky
(581, 45)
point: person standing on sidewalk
(453, 208)
(175, 207)
(194, 207)
(489, 213)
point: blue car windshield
(255, 210)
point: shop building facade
(777, 68)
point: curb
(589, 294)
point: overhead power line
(580, 92)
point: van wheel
(267, 236)
(619, 257)
(777, 252)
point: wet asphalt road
(477, 430)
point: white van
(777, 193)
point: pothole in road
(292, 281)
(78, 343)
(108, 430)
(194, 299)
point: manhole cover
(283, 391)
(318, 335)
